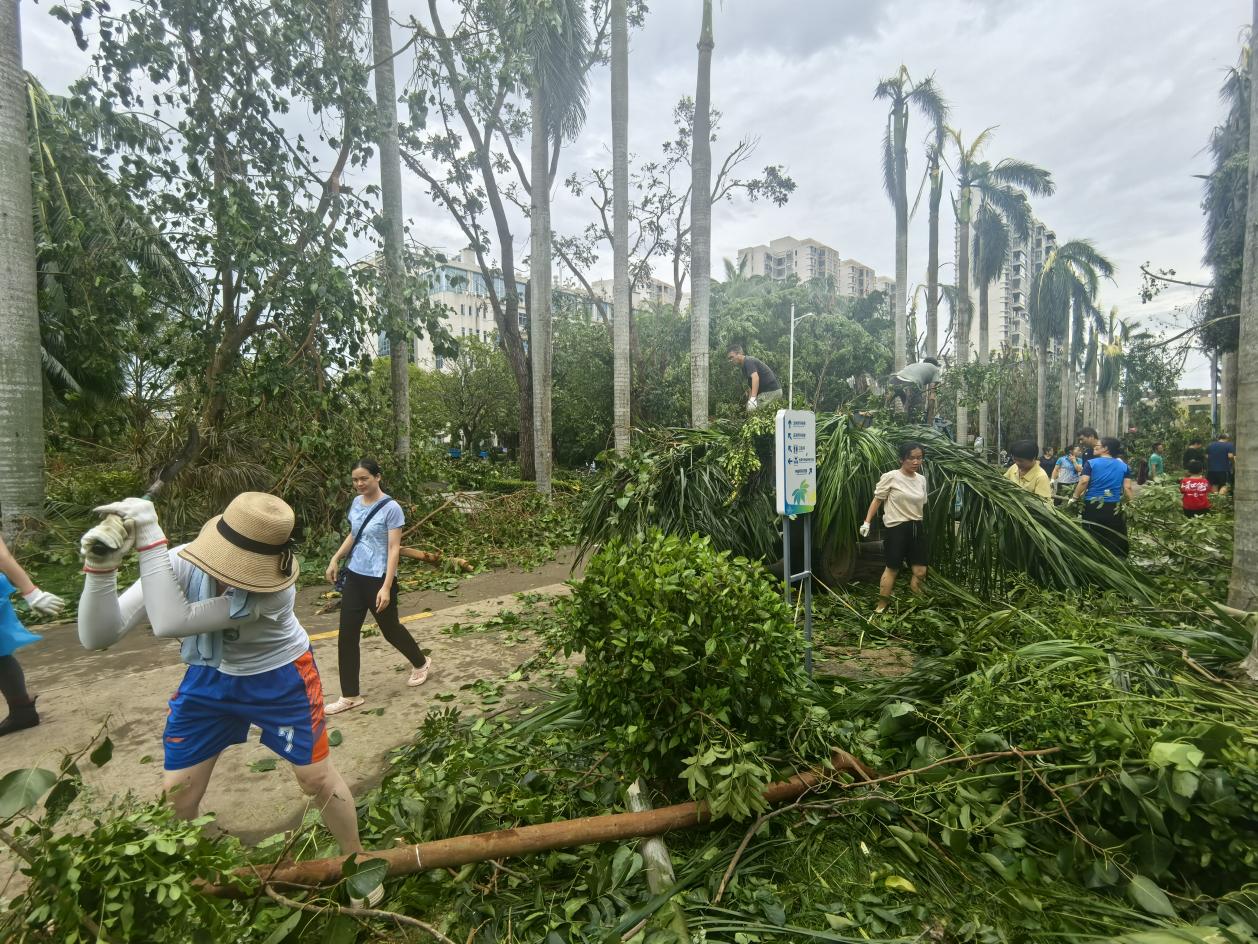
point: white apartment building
(809, 259)
(648, 291)
(1008, 323)
(803, 258)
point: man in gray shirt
(762, 381)
(923, 375)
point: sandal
(342, 704)
(419, 676)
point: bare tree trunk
(21, 380)
(620, 225)
(962, 338)
(1229, 392)
(1041, 391)
(392, 230)
(900, 293)
(540, 289)
(984, 341)
(932, 259)
(701, 226)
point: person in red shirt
(1196, 490)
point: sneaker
(342, 704)
(374, 897)
(419, 676)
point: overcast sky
(1115, 97)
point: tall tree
(620, 224)
(392, 228)
(1068, 283)
(558, 40)
(701, 226)
(1243, 587)
(21, 383)
(1003, 213)
(962, 206)
(934, 170)
(903, 92)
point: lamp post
(790, 383)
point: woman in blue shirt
(373, 547)
(1103, 484)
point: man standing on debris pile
(762, 381)
(924, 375)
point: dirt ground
(126, 688)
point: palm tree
(620, 224)
(962, 207)
(21, 391)
(392, 228)
(701, 225)
(934, 169)
(1003, 212)
(1110, 375)
(902, 92)
(1243, 587)
(1068, 281)
(557, 40)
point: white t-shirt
(266, 637)
(921, 373)
(903, 497)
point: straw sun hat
(249, 545)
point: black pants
(1105, 523)
(1195, 512)
(13, 682)
(359, 596)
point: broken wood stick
(525, 840)
(436, 557)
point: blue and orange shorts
(212, 711)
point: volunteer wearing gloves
(13, 636)
(228, 595)
(901, 494)
(762, 382)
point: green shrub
(693, 669)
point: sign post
(795, 465)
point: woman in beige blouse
(901, 494)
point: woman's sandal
(343, 704)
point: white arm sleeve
(105, 617)
(169, 611)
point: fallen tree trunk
(525, 840)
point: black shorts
(906, 543)
(1217, 479)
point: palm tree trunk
(962, 333)
(900, 133)
(392, 229)
(21, 383)
(620, 225)
(1229, 392)
(701, 226)
(1041, 390)
(1064, 412)
(984, 339)
(540, 287)
(1072, 396)
(932, 261)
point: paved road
(127, 688)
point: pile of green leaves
(984, 530)
(693, 669)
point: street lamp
(790, 384)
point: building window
(441, 362)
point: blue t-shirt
(1105, 482)
(1067, 474)
(1217, 456)
(371, 555)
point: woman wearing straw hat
(229, 596)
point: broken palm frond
(718, 482)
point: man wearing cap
(228, 595)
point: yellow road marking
(405, 619)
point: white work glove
(43, 602)
(752, 403)
(104, 547)
(864, 529)
(141, 512)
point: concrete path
(127, 688)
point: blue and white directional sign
(796, 455)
